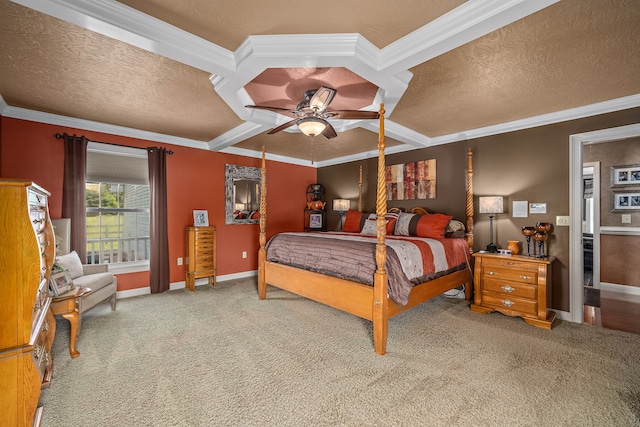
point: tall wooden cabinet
(201, 252)
(27, 327)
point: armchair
(95, 276)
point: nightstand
(515, 286)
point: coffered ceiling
(446, 70)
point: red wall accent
(195, 180)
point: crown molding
(70, 122)
(3, 106)
(411, 139)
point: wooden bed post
(469, 207)
(380, 279)
(262, 253)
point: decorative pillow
(402, 224)
(455, 229)
(72, 263)
(370, 226)
(354, 221)
(432, 226)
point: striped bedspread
(410, 260)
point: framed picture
(60, 282)
(200, 218)
(315, 221)
(622, 176)
(626, 201)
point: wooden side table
(66, 305)
(514, 286)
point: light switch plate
(562, 221)
(626, 218)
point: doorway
(577, 213)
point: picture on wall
(623, 176)
(414, 180)
(626, 201)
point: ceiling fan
(311, 113)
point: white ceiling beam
(470, 21)
(133, 27)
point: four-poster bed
(368, 302)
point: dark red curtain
(73, 191)
(159, 236)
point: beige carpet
(221, 357)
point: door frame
(596, 221)
(576, 257)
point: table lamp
(491, 205)
(341, 206)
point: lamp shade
(311, 126)
(341, 205)
(491, 204)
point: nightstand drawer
(506, 272)
(508, 288)
(502, 302)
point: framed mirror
(242, 191)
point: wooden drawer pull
(507, 303)
(507, 288)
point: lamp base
(492, 248)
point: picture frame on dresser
(315, 221)
(200, 218)
(60, 282)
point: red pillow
(433, 225)
(352, 221)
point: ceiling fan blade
(322, 98)
(329, 132)
(286, 111)
(282, 127)
(353, 114)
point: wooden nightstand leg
(542, 323)
(73, 321)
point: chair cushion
(72, 263)
(94, 281)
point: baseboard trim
(181, 285)
(563, 315)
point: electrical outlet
(562, 221)
(244, 254)
(626, 218)
(179, 261)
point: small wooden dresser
(201, 252)
(515, 286)
(27, 326)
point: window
(117, 222)
(117, 205)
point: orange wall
(195, 180)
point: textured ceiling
(181, 72)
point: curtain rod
(58, 136)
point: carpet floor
(221, 357)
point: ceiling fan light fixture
(312, 126)
(322, 98)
